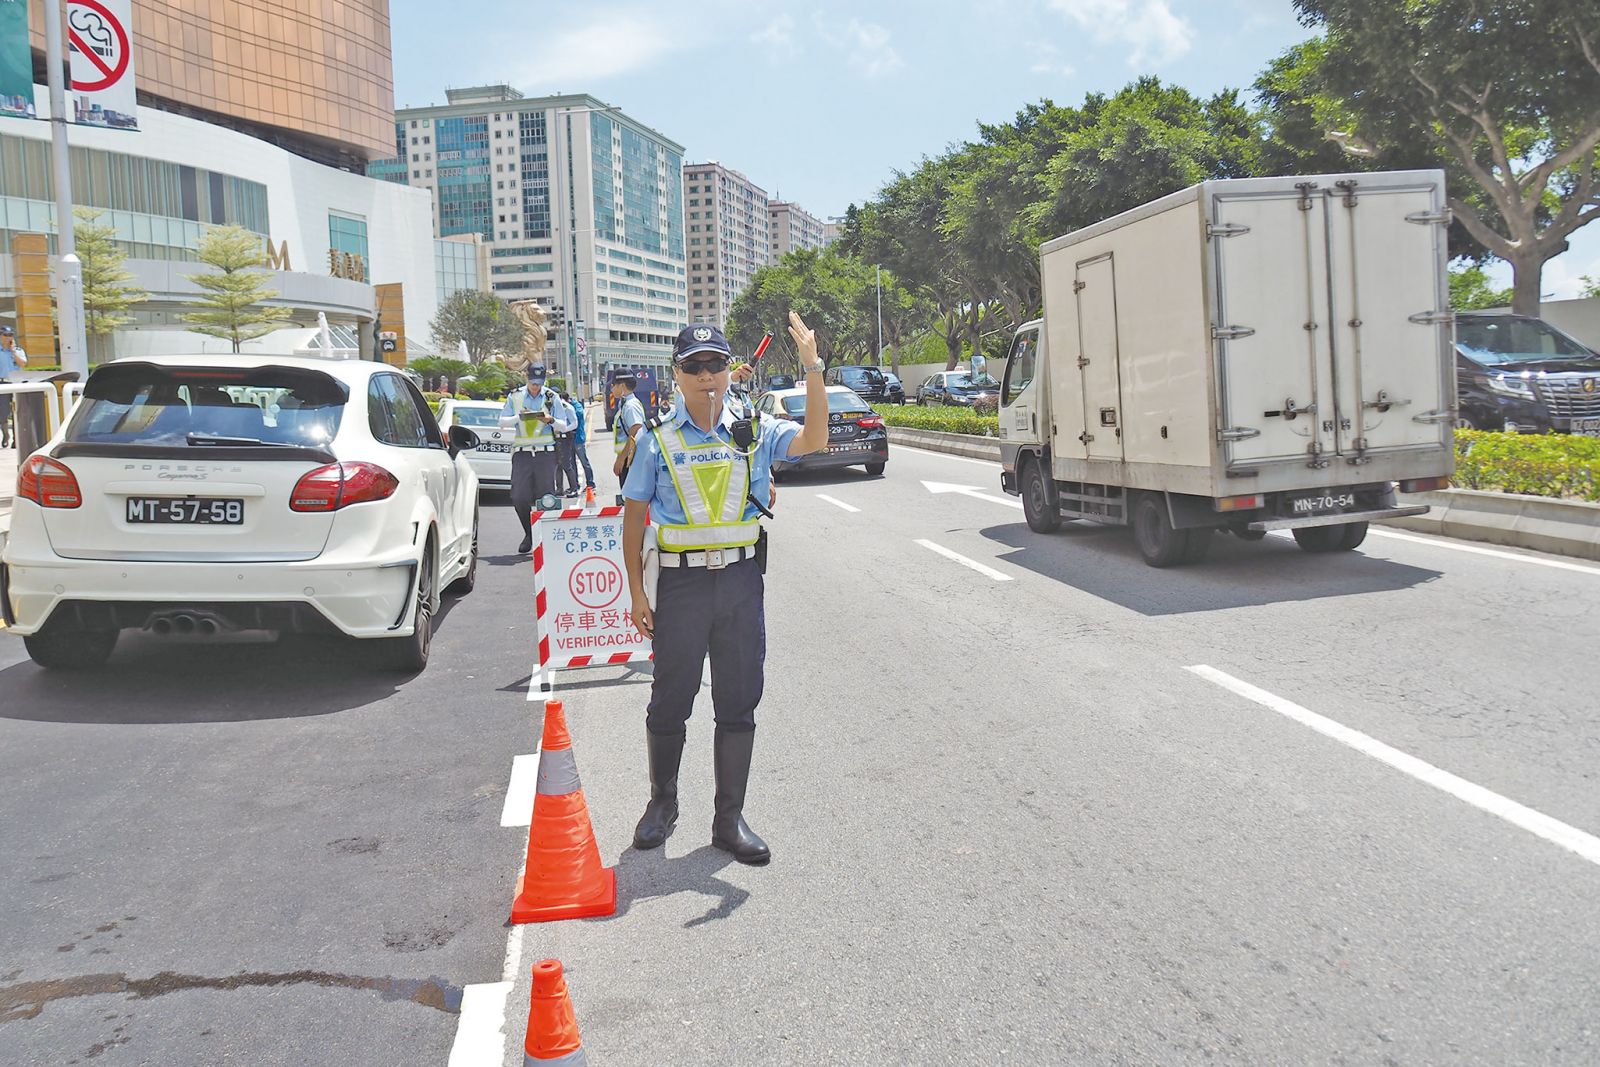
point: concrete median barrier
(956, 444)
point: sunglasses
(715, 365)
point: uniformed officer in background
(699, 473)
(627, 423)
(12, 359)
(537, 414)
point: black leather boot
(661, 813)
(731, 758)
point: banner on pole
(582, 610)
(16, 61)
(100, 46)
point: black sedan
(856, 435)
(956, 387)
(867, 382)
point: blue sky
(820, 102)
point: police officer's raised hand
(805, 338)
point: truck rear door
(1327, 321)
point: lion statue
(531, 315)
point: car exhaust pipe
(161, 626)
(183, 624)
(207, 626)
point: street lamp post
(880, 316)
(69, 271)
(574, 363)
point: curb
(958, 444)
(1539, 523)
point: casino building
(260, 113)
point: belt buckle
(715, 560)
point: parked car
(856, 435)
(491, 460)
(956, 387)
(1518, 373)
(199, 494)
(867, 382)
(893, 391)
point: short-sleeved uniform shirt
(9, 364)
(650, 481)
(630, 414)
(561, 411)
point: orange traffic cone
(588, 496)
(563, 878)
(552, 1026)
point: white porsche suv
(200, 494)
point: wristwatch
(815, 368)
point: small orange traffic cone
(563, 878)
(552, 1026)
(588, 496)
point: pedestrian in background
(567, 457)
(536, 413)
(12, 359)
(626, 423)
(698, 473)
(581, 440)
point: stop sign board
(582, 609)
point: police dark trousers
(720, 612)
(567, 463)
(533, 475)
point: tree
(1590, 289)
(484, 322)
(1469, 290)
(437, 369)
(234, 292)
(1508, 92)
(106, 292)
(490, 380)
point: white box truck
(1245, 355)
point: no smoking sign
(100, 45)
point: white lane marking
(992, 464)
(480, 1037)
(1536, 823)
(1495, 552)
(508, 973)
(518, 808)
(964, 561)
(837, 503)
(969, 490)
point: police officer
(537, 414)
(12, 358)
(699, 472)
(627, 423)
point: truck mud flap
(1337, 518)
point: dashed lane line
(518, 808)
(837, 503)
(964, 561)
(1537, 823)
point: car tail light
(337, 485)
(1424, 485)
(869, 422)
(1241, 503)
(48, 483)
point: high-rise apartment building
(726, 217)
(791, 228)
(580, 207)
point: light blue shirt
(650, 480)
(561, 411)
(629, 415)
(8, 362)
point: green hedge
(1558, 465)
(948, 419)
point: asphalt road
(1009, 823)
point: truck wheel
(71, 649)
(1042, 518)
(1320, 538)
(1354, 534)
(1158, 542)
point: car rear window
(870, 375)
(796, 405)
(147, 404)
(486, 418)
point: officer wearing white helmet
(536, 413)
(700, 472)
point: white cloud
(572, 60)
(1154, 34)
(865, 45)
(1047, 60)
(778, 35)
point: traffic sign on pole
(100, 44)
